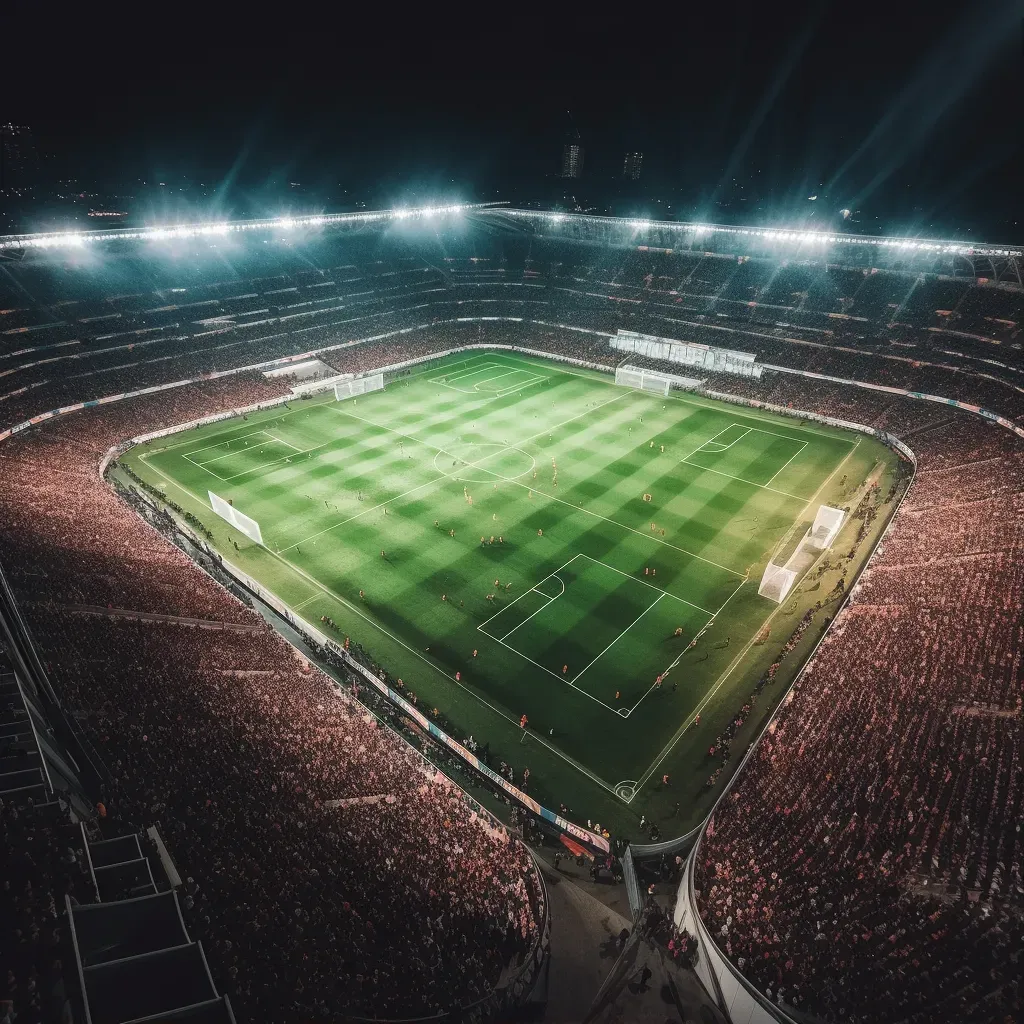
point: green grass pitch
(507, 496)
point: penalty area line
(426, 661)
(742, 654)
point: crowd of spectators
(867, 865)
(329, 870)
(40, 864)
(93, 332)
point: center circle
(482, 462)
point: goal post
(358, 386)
(239, 520)
(642, 380)
(776, 583)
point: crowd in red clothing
(867, 865)
(331, 870)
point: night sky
(908, 109)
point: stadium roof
(586, 224)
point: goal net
(826, 526)
(776, 583)
(631, 377)
(239, 520)
(358, 386)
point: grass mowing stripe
(800, 451)
(739, 657)
(763, 487)
(604, 463)
(442, 476)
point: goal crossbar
(642, 380)
(358, 386)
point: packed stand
(329, 871)
(41, 863)
(867, 866)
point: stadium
(353, 563)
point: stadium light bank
(214, 229)
(784, 235)
(221, 229)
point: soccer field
(486, 517)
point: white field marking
(307, 407)
(196, 451)
(763, 487)
(280, 440)
(679, 657)
(302, 604)
(446, 378)
(719, 447)
(706, 404)
(555, 675)
(796, 440)
(498, 376)
(501, 611)
(412, 650)
(540, 609)
(240, 451)
(519, 387)
(732, 665)
(799, 451)
(391, 430)
(620, 636)
(448, 476)
(274, 462)
(160, 473)
(621, 526)
(202, 466)
(628, 575)
(218, 458)
(710, 440)
(473, 386)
